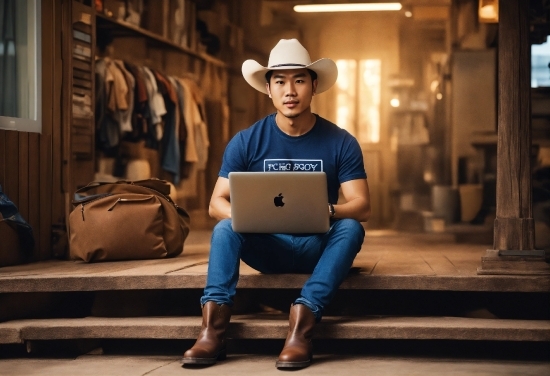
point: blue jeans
(328, 257)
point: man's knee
(352, 228)
(223, 234)
(352, 233)
(224, 229)
(223, 225)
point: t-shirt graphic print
(288, 165)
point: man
(292, 133)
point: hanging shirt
(156, 102)
(124, 115)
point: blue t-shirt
(326, 147)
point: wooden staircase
(402, 286)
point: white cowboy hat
(290, 54)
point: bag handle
(161, 186)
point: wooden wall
(30, 163)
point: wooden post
(514, 234)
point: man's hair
(268, 75)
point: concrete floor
(257, 357)
(241, 364)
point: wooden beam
(514, 223)
(514, 233)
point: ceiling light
(394, 102)
(359, 7)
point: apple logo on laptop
(278, 200)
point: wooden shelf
(121, 28)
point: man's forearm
(219, 208)
(358, 209)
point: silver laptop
(279, 202)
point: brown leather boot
(210, 345)
(298, 349)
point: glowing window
(540, 57)
(345, 97)
(358, 98)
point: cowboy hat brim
(327, 73)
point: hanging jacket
(10, 214)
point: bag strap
(161, 186)
(158, 185)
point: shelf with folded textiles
(119, 28)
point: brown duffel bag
(126, 220)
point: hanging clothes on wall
(198, 120)
(124, 114)
(107, 129)
(197, 143)
(117, 88)
(182, 127)
(170, 149)
(138, 105)
(156, 103)
(141, 105)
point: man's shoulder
(329, 126)
(246, 135)
(258, 125)
(263, 121)
(322, 120)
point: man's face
(291, 91)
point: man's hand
(219, 207)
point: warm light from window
(358, 98)
(369, 99)
(359, 7)
(345, 97)
(488, 11)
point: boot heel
(222, 355)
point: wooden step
(189, 271)
(41, 278)
(270, 326)
(388, 261)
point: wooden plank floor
(388, 260)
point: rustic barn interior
(441, 94)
